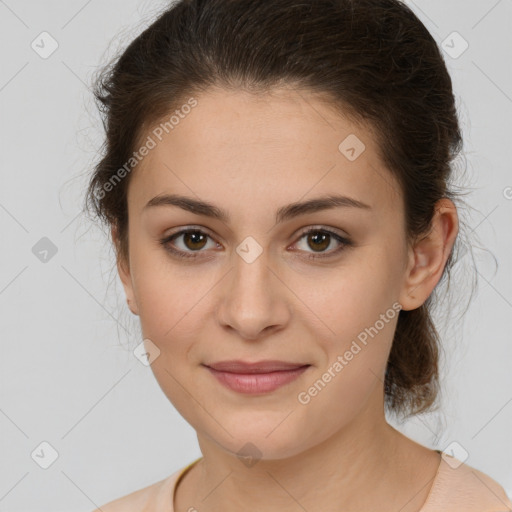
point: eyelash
(345, 243)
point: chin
(268, 441)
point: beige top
(457, 487)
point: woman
(276, 183)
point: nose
(253, 299)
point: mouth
(256, 378)
(238, 366)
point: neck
(360, 467)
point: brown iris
(194, 238)
(319, 237)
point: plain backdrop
(73, 396)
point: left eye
(194, 240)
(320, 239)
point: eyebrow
(284, 213)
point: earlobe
(429, 255)
(125, 277)
(124, 274)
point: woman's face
(254, 286)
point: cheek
(348, 300)
(169, 306)
(165, 292)
(354, 366)
(359, 313)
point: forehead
(240, 149)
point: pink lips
(258, 377)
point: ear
(428, 257)
(123, 268)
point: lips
(243, 367)
(256, 378)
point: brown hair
(373, 60)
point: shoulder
(155, 497)
(146, 499)
(459, 486)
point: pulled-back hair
(374, 62)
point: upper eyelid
(319, 227)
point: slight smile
(258, 377)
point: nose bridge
(252, 301)
(251, 268)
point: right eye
(193, 241)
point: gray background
(67, 373)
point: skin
(251, 155)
